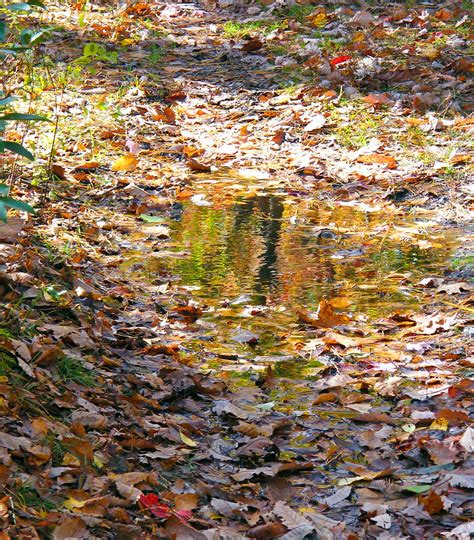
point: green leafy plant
(25, 40)
(9, 202)
(11, 146)
(98, 53)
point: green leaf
(37, 3)
(18, 205)
(19, 6)
(16, 148)
(422, 488)
(27, 37)
(3, 30)
(151, 219)
(4, 189)
(3, 213)
(7, 100)
(24, 117)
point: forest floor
(245, 308)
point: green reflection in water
(292, 254)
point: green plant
(71, 369)
(156, 54)
(9, 202)
(299, 12)
(11, 146)
(235, 29)
(27, 496)
(7, 362)
(94, 52)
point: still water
(282, 252)
(254, 263)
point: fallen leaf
(337, 497)
(432, 502)
(187, 440)
(325, 316)
(378, 159)
(71, 528)
(318, 121)
(128, 162)
(293, 520)
(196, 166)
(467, 440)
(253, 45)
(340, 59)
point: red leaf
(340, 59)
(163, 511)
(152, 502)
(184, 515)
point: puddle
(266, 250)
(256, 262)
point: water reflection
(292, 253)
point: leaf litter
(143, 397)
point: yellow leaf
(430, 52)
(72, 503)
(128, 162)
(69, 459)
(440, 423)
(320, 20)
(187, 441)
(98, 462)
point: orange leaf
(380, 159)
(376, 100)
(325, 317)
(128, 162)
(432, 503)
(444, 14)
(279, 136)
(326, 397)
(197, 167)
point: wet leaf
(325, 317)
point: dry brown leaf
(442, 452)
(377, 100)
(71, 528)
(14, 443)
(253, 45)
(297, 524)
(10, 232)
(267, 531)
(432, 502)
